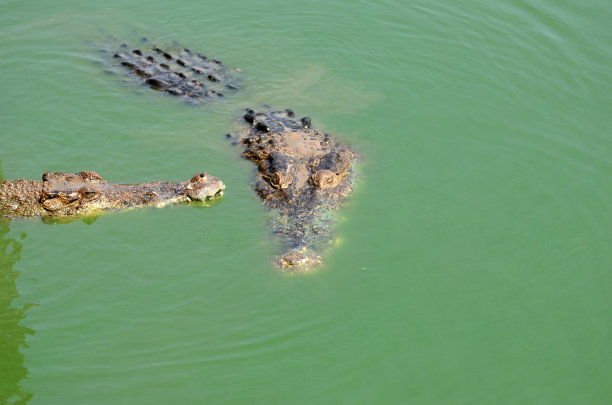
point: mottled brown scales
(20, 198)
(303, 175)
(87, 193)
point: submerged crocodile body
(180, 73)
(303, 176)
(87, 193)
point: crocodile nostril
(199, 177)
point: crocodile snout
(203, 187)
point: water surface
(472, 264)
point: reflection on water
(12, 334)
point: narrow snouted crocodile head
(87, 193)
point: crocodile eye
(89, 195)
(330, 180)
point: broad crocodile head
(303, 175)
(87, 193)
(295, 161)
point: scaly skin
(21, 198)
(87, 193)
(303, 176)
(179, 73)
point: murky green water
(472, 263)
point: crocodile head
(87, 193)
(297, 164)
(304, 174)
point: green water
(472, 264)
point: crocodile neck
(20, 198)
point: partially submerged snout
(298, 260)
(87, 193)
(203, 187)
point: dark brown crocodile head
(295, 161)
(303, 174)
(86, 193)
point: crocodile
(181, 72)
(87, 193)
(303, 176)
